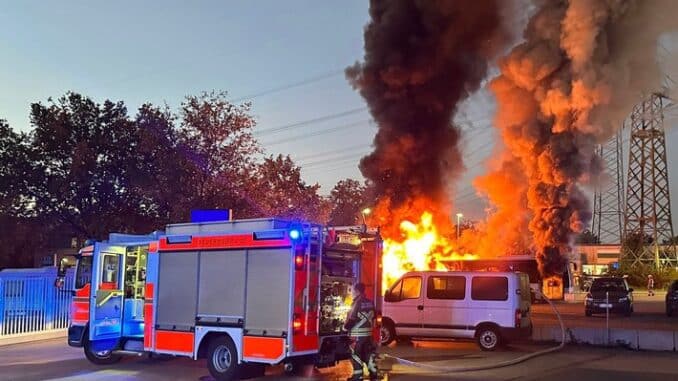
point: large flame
(420, 247)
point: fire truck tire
(387, 333)
(222, 359)
(99, 358)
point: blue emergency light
(295, 234)
(211, 215)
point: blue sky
(160, 51)
(143, 51)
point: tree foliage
(88, 169)
(85, 153)
(16, 171)
(348, 199)
(218, 153)
(282, 192)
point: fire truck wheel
(99, 358)
(387, 333)
(222, 359)
(488, 338)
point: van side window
(446, 287)
(489, 288)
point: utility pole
(648, 230)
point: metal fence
(30, 303)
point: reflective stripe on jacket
(360, 319)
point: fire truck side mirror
(59, 283)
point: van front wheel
(387, 333)
(488, 338)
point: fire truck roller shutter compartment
(268, 292)
(177, 291)
(222, 277)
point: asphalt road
(649, 313)
(54, 360)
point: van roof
(490, 273)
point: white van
(491, 307)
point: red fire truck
(243, 294)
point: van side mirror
(630, 290)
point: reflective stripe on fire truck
(148, 316)
(174, 342)
(263, 349)
(222, 242)
(80, 306)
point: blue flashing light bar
(211, 215)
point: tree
(84, 152)
(281, 192)
(20, 230)
(347, 200)
(161, 166)
(218, 153)
(16, 171)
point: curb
(30, 337)
(636, 339)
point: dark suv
(609, 293)
(672, 298)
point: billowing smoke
(566, 88)
(422, 57)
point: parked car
(611, 293)
(672, 298)
(490, 307)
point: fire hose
(502, 364)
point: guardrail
(30, 303)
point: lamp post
(365, 212)
(459, 216)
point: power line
(288, 86)
(316, 133)
(309, 121)
(353, 156)
(325, 153)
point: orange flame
(419, 248)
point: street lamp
(365, 212)
(459, 216)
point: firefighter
(359, 324)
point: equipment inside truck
(339, 269)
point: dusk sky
(290, 55)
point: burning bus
(553, 287)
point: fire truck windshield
(83, 273)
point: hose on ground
(436, 368)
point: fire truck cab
(243, 294)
